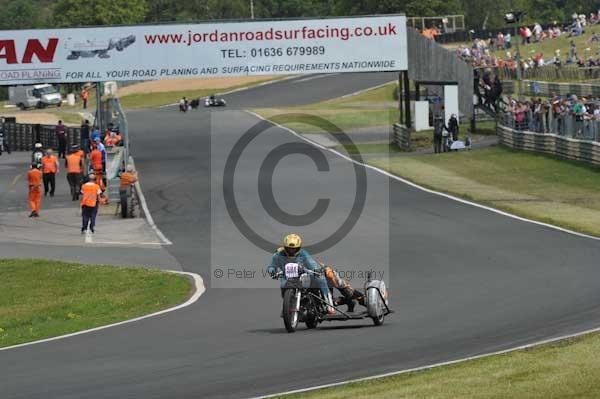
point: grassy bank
(41, 299)
(585, 51)
(568, 369)
(374, 108)
(535, 186)
(549, 46)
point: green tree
(420, 8)
(20, 14)
(68, 13)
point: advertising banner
(151, 52)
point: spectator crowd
(564, 115)
(481, 53)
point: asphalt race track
(464, 281)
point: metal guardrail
(113, 113)
(119, 119)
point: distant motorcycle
(215, 102)
(195, 103)
(303, 300)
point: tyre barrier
(23, 136)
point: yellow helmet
(292, 244)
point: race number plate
(291, 270)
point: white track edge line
(117, 243)
(435, 365)
(316, 76)
(427, 190)
(149, 217)
(199, 290)
(147, 213)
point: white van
(34, 96)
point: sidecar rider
(183, 104)
(349, 294)
(292, 252)
(37, 155)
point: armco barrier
(402, 136)
(565, 147)
(23, 136)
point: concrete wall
(565, 147)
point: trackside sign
(202, 50)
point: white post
(252, 9)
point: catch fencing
(565, 73)
(550, 89)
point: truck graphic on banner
(95, 47)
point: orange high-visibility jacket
(73, 163)
(90, 191)
(96, 159)
(34, 178)
(49, 164)
(127, 179)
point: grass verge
(370, 109)
(41, 299)
(566, 369)
(535, 186)
(378, 148)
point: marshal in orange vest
(90, 191)
(73, 163)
